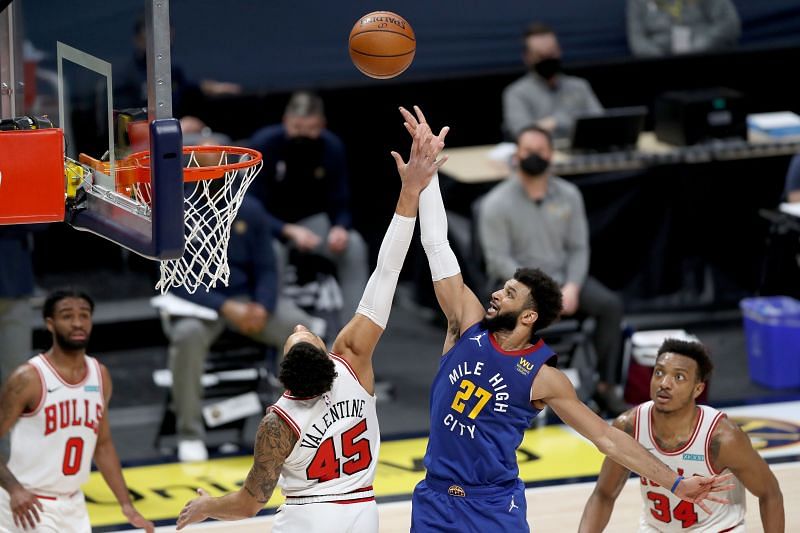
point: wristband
(675, 485)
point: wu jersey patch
(524, 367)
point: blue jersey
(480, 409)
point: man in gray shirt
(664, 27)
(544, 96)
(537, 220)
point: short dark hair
(62, 294)
(305, 104)
(693, 350)
(536, 129)
(538, 28)
(546, 297)
(307, 371)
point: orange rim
(141, 160)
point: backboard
(101, 71)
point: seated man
(539, 220)
(667, 27)
(544, 96)
(251, 304)
(303, 160)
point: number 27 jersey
(480, 409)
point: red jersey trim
(358, 500)
(732, 527)
(64, 381)
(515, 353)
(717, 418)
(298, 398)
(99, 379)
(345, 363)
(286, 418)
(42, 398)
(697, 425)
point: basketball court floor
(556, 464)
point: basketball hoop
(216, 179)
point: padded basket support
(31, 176)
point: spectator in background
(793, 180)
(544, 96)
(16, 288)
(537, 220)
(304, 184)
(251, 304)
(659, 28)
(132, 91)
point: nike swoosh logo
(53, 389)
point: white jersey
(52, 446)
(337, 442)
(663, 511)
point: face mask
(534, 165)
(547, 68)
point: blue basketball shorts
(449, 508)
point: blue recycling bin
(772, 331)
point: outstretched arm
(731, 448)
(359, 337)
(612, 479)
(459, 304)
(274, 442)
(552, 387)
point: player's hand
(25, 507)
(194, 511)
(697, 489)
(303, 238)
(337, 239)
(569, 295)
(135, 519)
(422, 162)
(411, 122)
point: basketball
(382, 44)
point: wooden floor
(558, 509)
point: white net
(210, 207)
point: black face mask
(534, 165)
(547, 68)
(305, 151)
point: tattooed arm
(274, 442)
(612, 479)
(20, 394)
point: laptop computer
(615, 130)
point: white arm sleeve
(376, 303)
(433, 230)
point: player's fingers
(398, 159)
(409, 128)
(704, 507)
(722, 488)
(441, 161)
(412, 121)
(201, 492)
(443, 133)
(38, 504)
(420, 116)
(28, 521)
(35, 512)
(718, 500)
